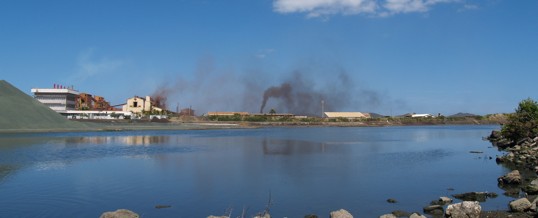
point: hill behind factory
(20, 112)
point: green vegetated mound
(20, 112)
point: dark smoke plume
(213, 88)
(298, 95)
(283, 91)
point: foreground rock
(218, 216)
(520, 205)
(470, 209)
(475, 196)
(341, 214)
(511, 178)
(416, 215)
(121, 213)
(265, 215)
(390, 215)
(532, 188)
(433, 209)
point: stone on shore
(341, 214)
(445, 200)
(532, 188)
(470, 209)
(433, 209)
(390, 215)
(265, 215)
(475, 196)
(442, 201)
(218, 216)
(120, 213)
(400, 213)
(416, 215)
(511, 178)
(520, 205)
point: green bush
(523, 123)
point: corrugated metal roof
(347, 115)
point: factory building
(75, 105)
(347, 115)
(139, 105)
(57, 99)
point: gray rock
(400, 213)
(433, 209)
(218, 216)
(533, 205)
(511, 178)
(392, 200)
(390, 215)
(416, 215)
(445, 200)
(265, 215)
(531, 188)
(340, 214)
(520, 205)
(470, 209)
(474, 196)
(120, 213)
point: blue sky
(398, 56)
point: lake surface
(208, 172)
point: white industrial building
(59, 100)
(138, 105)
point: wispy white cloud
(88, 66)
(382, 8)
(468, 7)
(263, 53)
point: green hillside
(20, 112)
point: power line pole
(322, 108)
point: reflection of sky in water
(307, 170)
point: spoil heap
(20, 112)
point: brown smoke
(159, 97)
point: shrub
(523, 123)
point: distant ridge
(20, 112)
(461, 114)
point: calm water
(201, 173)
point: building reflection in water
(144, 140)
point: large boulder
(470, 209)
(511, 178)
(341, 214)
(390, 215)
(520, 205)
(121, 213)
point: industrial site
(77, 105)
